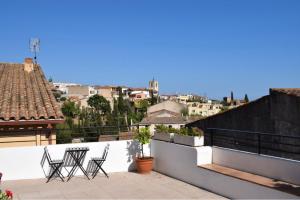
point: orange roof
(26, 94)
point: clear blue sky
(207, 47)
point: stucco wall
(181, 162)
(166, 105)
(24, 162)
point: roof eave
(31, 122)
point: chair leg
(99, 167)
(95, 172)
(53, 173)
(56, 171)
(104, 172)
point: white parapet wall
(182, 162)
(273, 167)
(24, 162)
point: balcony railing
(255, 142)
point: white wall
(24, 162)
(268, 166)
(181, 162)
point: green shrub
(195, 132)
(143, 136)
(184, 131)
(173, 130)
(161, 129)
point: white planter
(168, 137)
(194, 141)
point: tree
(153, 99)
(100, 104)
(70, 110)
(121, 105)
(185, 112)
(231, 96)
(246, 98)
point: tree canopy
(100, 104)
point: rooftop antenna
(34, 44)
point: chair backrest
(105, 152)
(46, 156)
(68, 160)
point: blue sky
(206, 47)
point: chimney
(28, 65)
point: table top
(77, 149)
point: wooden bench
(253, 178)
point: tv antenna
(34, 44)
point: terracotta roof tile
(163, 120)
(26, 95)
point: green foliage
(143, 136)
(64, 135)
(161, 129)
(153, 99)
(173, 130)
(142, 104)
(99, 103)
(63, 99)
(70, 110)
(195, 132)
(57, 95)
(246, 98)
(7, 195)
(185, 112)
(183, 131)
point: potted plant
(191, 137)
(163, 133)
(7, 195)
(144, 164)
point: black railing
(63, 135)
(89, 134)
(255, 142)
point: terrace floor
(118, 186)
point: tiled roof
(163, 120)
(155, 113)
(26, 95)
(289, 91)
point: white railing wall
(24, 162)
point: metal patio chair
(55, 166)
(95, 164)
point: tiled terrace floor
(118, 186)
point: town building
(80, 94)
(28, 109)
(203, 109)
(63, 87)
(167, 113)
(137, 94)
